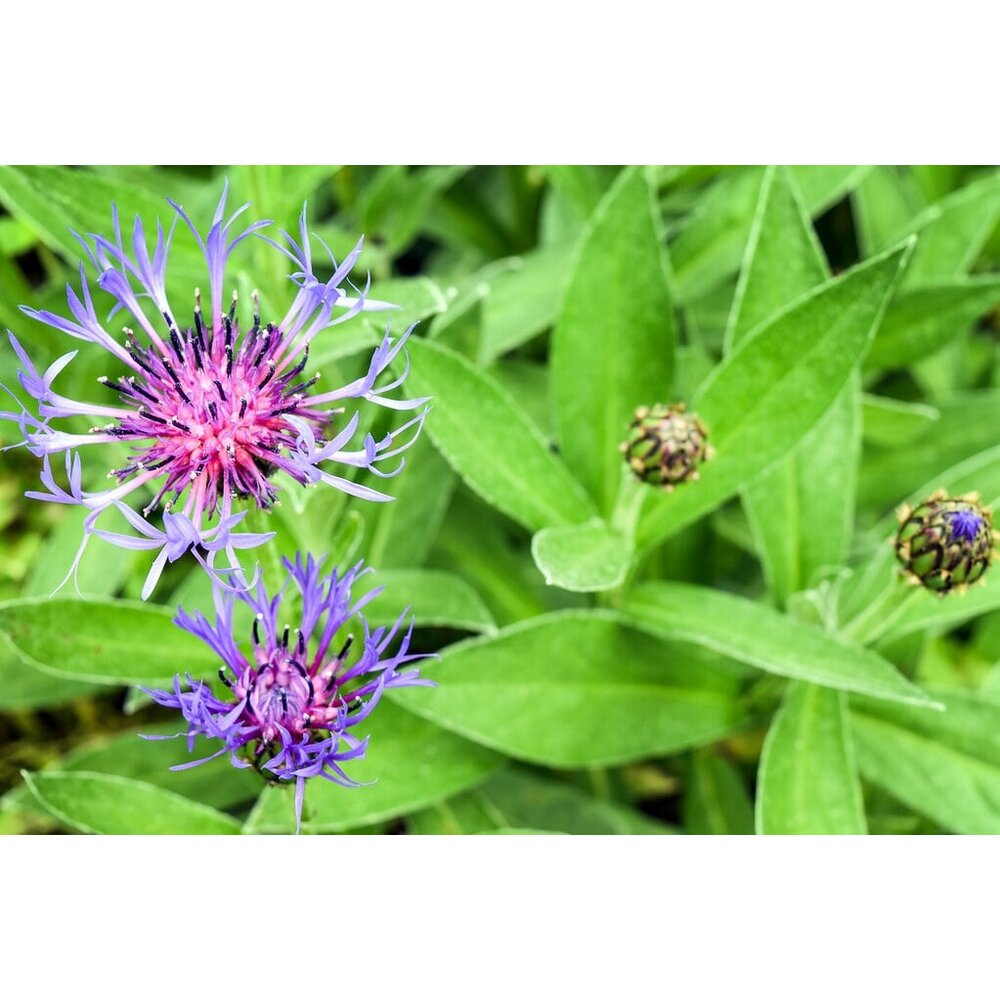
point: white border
(633, 81)
(510, 917)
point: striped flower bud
(665, 445)
(945, 543)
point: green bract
(665, 445)
(945, 543)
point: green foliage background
(735, 657)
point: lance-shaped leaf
(966, 427)
(578, 689)
(23, 685)
(891, 422)
(952, 232)
(53, 200)
(808, 781)
(775, 386)
(108, 803)
(436, 598)
(710, 246)
(923, 320)
(945, 765)
(106, 642)
(492, 444)
(402, 533)
(767, 639)
(816, 483)
(613, 346)
(523, 301)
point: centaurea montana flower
(209, 411)
(293, 700)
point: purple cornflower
(209, 411)
(292, 700)
(965, 525)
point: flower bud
(945, 543)
(665, 445)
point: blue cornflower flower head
(297, 699)
(209, 411)
(945, 543)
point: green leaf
(774, 387)
(518, 832)
(715, 799)
(783, 259)
(276, 190)
(517, 799)
(802, 511)
(314, 520)
(411, 762)
(396, 206)
(417, 299)
(479, 548)
(528, 383)
(53, 200)
(944, 765)
(890, 422)
(107, 642)
(23, 685)
(101, 571)
(15, 237)
(463, 814)
(816, 483)
(582, 186)
(492, 444)
(767, 639)
(952, 233)
(436, 598)
(582, 557)
(105, 803)
(884, 203)
(822, 185)
(808, 781)
(523, 301)
(401, 533)
(216, 784)
(923, 320)
(596, 676)
(967, 426)
(933, 613)
(710, 247)
(614, 343)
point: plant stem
(879, 617)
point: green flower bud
(665, 445)
(945, 543)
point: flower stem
(879, 617)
